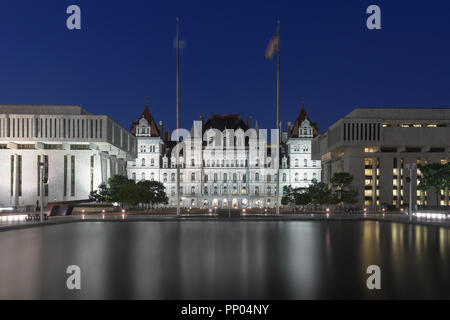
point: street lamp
(410, 166)
(41, 188)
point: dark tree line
(123, 190)
(318, 193)
(434, 177)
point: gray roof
(41, 109)
(400, 113)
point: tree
(302, 197)
(152, 192)
(114, 185)
(288, 196)
(101, 194)
(434, 177)
(296, 196)
(320, 193)
(343, 191)
(129, 192)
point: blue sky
(124, 53)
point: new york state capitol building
(225, 162)
(77, 151)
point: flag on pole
(274, 45)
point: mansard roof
(147, 115)
(225, 121)
(302, 116)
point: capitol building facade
(224, 162)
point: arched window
(257, 191)
(215, 189)
(244, 190)
(165, 177)
(269, 190)
(224, 177)
(143, 162)
(143, 176)
(234, 190)
(314, 176)
(225, 190)
(256, 176)
(193, 176)
(234, 177)
(305, 176)
(206, 190)
(192, 190)
(172, 177)
(284, 177)
(152, 162)
(134, 176)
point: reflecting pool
(225, 260)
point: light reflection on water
(226, 260)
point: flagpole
(278, 122)
(178, 116)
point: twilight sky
(125, 53)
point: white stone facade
(80, 151)
(230, 171)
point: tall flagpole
(278, 122)
(178, 116)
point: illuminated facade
(79, 151)
(376, 145)
(230, 171)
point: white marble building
(79, 150)
(231, 171)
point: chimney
(249, 122)
(289, 128)
(168, 135)
(160, 128)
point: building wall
(392, 139)
(293, 165)
(58, 132)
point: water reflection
(225, 260)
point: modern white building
(79, 151)
(378, 145)
(225, 162)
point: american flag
(274, 45)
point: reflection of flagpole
(178, 116)
(278, 122)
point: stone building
(379, 145)
(79, 151)
(225, 161)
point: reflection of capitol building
(224, 162)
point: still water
(225, 260)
